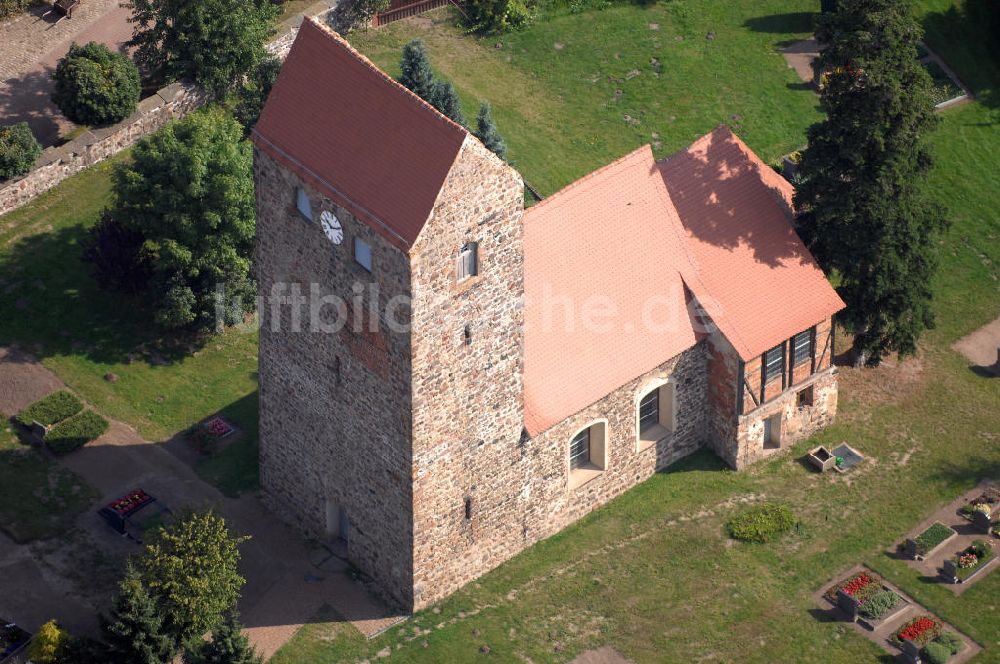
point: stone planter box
(872, 624)
(910, 547)
(982, 569)
(822, 459)
(850, 455)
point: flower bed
(861, 586)
(973, 559)
(921, 630)
(130, 502)
(933, 537)
(218, 427)
(49, 410)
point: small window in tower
(468, 509)
(336, 370)
(467, 335)
(468, 261)
(303, 204)
(363, 253)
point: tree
(228, 646)
(18, 150)
(416, 71)
(351, 14)
(94, 85)
(445, 99)
(214, 42)
(117, 255)
(496, 16)
(49, 644)
(487, 132)
(860, 204)
(190, 569)
(135, 632)
(189, 192)
(254, 92)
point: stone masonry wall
(467, 403)
(335, 405)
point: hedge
(9, 8)
(95, 85)
(761, 523)
(51, 409)
(76, 432)
(18, 150)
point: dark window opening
(468, 509)
(579, 450)
(336, 370)
(804, 398)
(774, 363)
(467, 335)
(802, 347)
(649, 410)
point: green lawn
(51, 306)
(38, 497)
(653, 573)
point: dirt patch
(800, 56)
(982, 346)
(603, 655)
(23, 380)
(893, 381)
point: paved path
(30, 47)
(287, 580)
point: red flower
(913, 630)
(856, 584)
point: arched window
(587, 453)
(655, 414)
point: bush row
(76, 432)
(51, 409)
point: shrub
(930, 538)
(937, 653)
(497, 16)
(351, 14)
(761, 523)
(9, 8)
(486, 131)
(51, 409)
(254, 92)
(879, 604)
(76, 432)
(94, 85)
(951, 641)
(18, 150)
(48, 645)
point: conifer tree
(861, 207)
(228, 646)
(487, 132)
(134, 631)
(446, 100)
(416, 70)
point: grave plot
(958, 544)
(893, 620)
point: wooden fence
(400, 10)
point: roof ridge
(360, 57)
(590, 176)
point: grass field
(38, 497)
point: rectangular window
(363, 253)
(579, 450)
(774, 363)
(303, 203)
(649, 410)
(468, 261)
(802, 347)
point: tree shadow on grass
(967, 37)
(50, 305)
(783, 23)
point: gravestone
(981, 520)
(911, 652)
(949, 571)
(910, 549)
(848, 605)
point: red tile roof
(373, 146)
(609, 242)
(737, 216)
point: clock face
(331, 227)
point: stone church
(481, 374)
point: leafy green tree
(496, 16)
(18, 150)
(351, 14)
(254, 92)
(134, 632)
(417, 74)
(445, 99)
(190, 569)
(94, 85)
(214, 42)
(117, 255)
(189, 192)
(861, 204)
(228, 646)
(486, 131)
